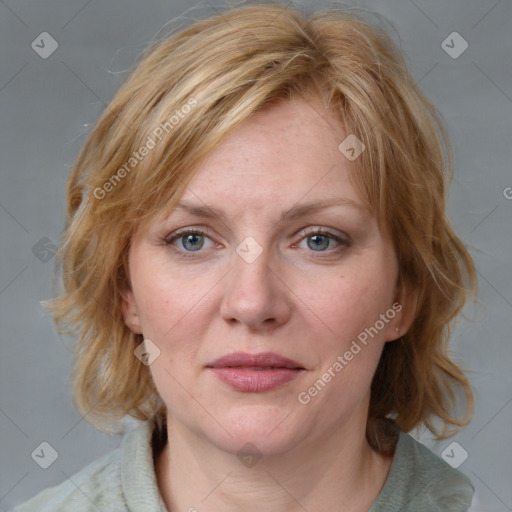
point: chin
(268, 429)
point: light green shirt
(124, 480)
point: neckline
(156, 440)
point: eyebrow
(295, 212)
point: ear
(130, 312)
(404, 304)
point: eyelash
(343, 243)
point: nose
(254, 295)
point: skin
(305, 304)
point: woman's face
(270, 291)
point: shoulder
(437, 483)
(96, 485)
(119, 481)
(420, 481)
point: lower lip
(254, 381)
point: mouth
(261, 361)
(255, 373)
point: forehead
(285, 152)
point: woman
(259, 266)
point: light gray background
(46, 106)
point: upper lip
(263, 359)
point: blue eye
(320, 241)
(190, 240)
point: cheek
(349, 353)
(168, 302)
(175, 312)
(350, 303)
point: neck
(320, 474)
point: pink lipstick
(253, 373)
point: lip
(254, 373)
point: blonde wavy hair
(188, 92)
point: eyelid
(338, 235)
(341, 238)
(170, 240)
(185, 231)
(302, 233)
